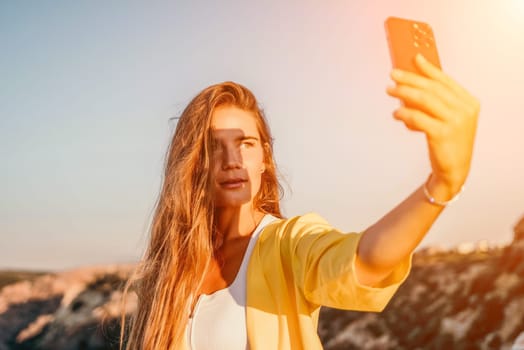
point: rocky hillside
(471, 297)
(464, 298)
(77, 309)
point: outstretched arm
(447, 114)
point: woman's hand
(442, 109)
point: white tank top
(219, 319)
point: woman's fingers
(425, 100)
(431, 71)
(417, 121)
(434, 87)
(438, 83)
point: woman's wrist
(440, 193)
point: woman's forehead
(238, 121)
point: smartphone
(406, 38)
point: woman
(224, 270)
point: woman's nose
(232, 159)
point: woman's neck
(232, 223)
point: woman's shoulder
(307, 218)
(297, 225)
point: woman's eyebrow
(239, 138)
(243, 138)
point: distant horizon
(462, 248)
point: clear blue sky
(88, 87)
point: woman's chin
(232, 202)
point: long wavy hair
(182, 238)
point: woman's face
(237, 157)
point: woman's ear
(267, 150)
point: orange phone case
(406, 38)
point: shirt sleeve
(323, 265)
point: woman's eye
(247, 144)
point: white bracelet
(434, 201)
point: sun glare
(516, 8)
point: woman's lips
(232, 183)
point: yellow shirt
(297, 265)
